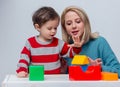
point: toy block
(109, 76)
(92, 73)
(36, 72)
(84, 67)
(80, 60)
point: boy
(45, 49)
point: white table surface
(61, 80)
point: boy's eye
(55, 28)
(49, 28)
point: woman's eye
(68, 23)
(78, 21)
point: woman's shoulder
(100, 39)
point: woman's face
(73, 24)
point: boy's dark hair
(44, 14)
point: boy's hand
(77, 42)
(22, 74)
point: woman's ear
(37, 27)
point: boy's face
(48, 30)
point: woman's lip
(74, 32)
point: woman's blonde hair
(87, 29)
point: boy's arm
(77, 50)
(68, 51)
(23, 63)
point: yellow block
(80, 60)
(109, 76)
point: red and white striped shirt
(48, 54)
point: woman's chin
(74, 35)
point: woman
(75, 22)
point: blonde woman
(75, 22)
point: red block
(92, 73)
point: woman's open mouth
(74, 33)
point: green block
(36, 72)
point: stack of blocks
(81, 70)
(36, 72)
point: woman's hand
(97, 61)
(22, 74)
(77, 42)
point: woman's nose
(74, 25)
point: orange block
(109, 76)
(92, 73)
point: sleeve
(67, 51)
(110, 62)
(24, 58)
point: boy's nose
(53, 30)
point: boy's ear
(37, 27)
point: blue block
(84, 67)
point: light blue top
(99, 48)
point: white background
(16, 25)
